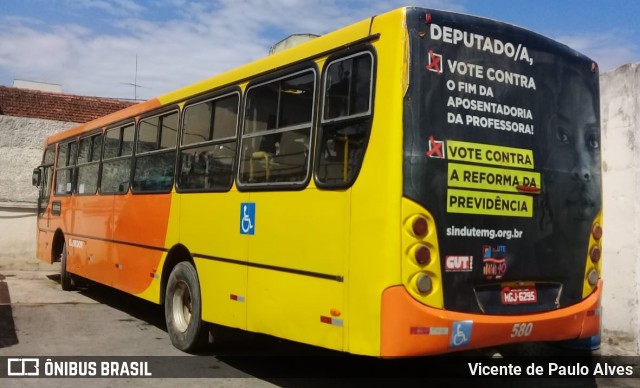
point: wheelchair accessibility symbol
(248, 218)
(461, 333)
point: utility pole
(135, 82)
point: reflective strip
(416, 330)
(236, 298)
(332, 321)
(591, 313)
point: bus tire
(66, 279)
(183, 309)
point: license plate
(519, 295)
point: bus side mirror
(36, 177)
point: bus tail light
(418, 226)
(424, 283)
(595, 254)
(421, 273)
(422, 254)
(596, 231)
(593, 277)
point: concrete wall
(620, 107)
(21, 148)
(17, 240)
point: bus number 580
(521, 330)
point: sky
(92, 47)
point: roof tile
(56, 106)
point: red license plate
(519, 295)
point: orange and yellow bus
(417, 183)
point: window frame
(166, 111)
(217, 95)
(69, 165)
(366, 49)
(288, 73)
(120, 126)
(47, 171)
(91, 135)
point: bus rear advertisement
(420, 182)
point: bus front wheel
(183, 309)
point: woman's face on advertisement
(574, 156)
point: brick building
(60, 107)
(27, 118)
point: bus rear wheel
(66, 280)
(183, 309)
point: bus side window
(156, 153)
(65, 167)
(346, 119)
(208, 148)
(116, 164)
(89, 152)
(277, 130)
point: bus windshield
(502, 146)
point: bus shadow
(8, 335)
(137, 308)
(291, 364)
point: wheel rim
(182, 305)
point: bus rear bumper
(410, 328)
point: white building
(620, 108)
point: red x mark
(435, 148)
(434, 62)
